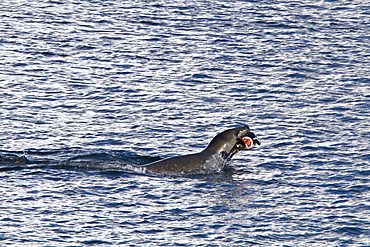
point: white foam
(134, 168)
(215, 163)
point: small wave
(76, 159)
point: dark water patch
(350, 230)
(364, 173)
(279, 165)
(109, 162)
(95, 242)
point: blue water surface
(88, 88)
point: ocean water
(88, 88)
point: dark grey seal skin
(221, 149)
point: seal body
(222, 147)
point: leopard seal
(220, 150)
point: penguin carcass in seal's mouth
(247, 141)
(250, 140)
